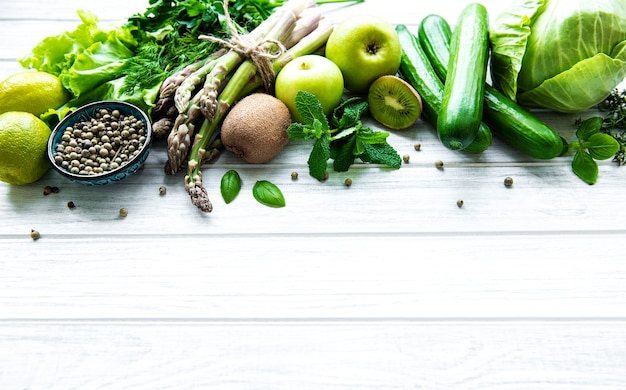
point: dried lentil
(348, 182)
(439, 164)
(417, 146)
(162, 190)
(460, 203)
(406, 158)
(123, 212)
(98, 145)
(508, 182)
(294, 175)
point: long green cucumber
(462, 105)
(508, 121)
(417, 70)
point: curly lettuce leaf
(86, 57)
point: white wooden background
(386, 284)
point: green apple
(365, 47)
(312, 73)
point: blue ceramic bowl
(86, 113)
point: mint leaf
(373, 137)
(310, 109)
(585, 167)
(344, 133)
(602, 146)
(318, 159)
(588, 127)
(349, 112)
(268, 194)
(230, 186)
(297, 130)
(381, 154)
(343, 154)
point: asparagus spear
(244, 78)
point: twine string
(261, 52)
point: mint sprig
(591, 145)
(343, 138)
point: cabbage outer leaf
(509, 36)
(584, 85)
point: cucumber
(462, 106)
(508, 121)
(417, 70)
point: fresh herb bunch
(168, 34)
(343, 138)
(591, 145)
(614, 122)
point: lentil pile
(102, 144)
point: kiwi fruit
(255, 129)
(393, 102)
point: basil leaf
(589, 127)
(585, 167)
(602, 146)
(268, 194)
(230, 186)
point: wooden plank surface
(386, 284)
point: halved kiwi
(393, 102)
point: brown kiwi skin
(255, 129)
(400, 86)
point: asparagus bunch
(194, 102)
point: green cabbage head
(564, 55)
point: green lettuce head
(564, 55)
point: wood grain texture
(386, 284)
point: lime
(32, 91)
(23, 147)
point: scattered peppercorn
(55, 190)
(348, 182)
(123, 212)
(508, 182)
(34, 234)
(47, 190)
(162, 190)
(439, 164)
(71, 205)
(417, 146)
(406, 158)
(294, 175)
(460, 203)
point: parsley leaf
(343, 138)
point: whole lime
(32, 91)
(23, 147)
